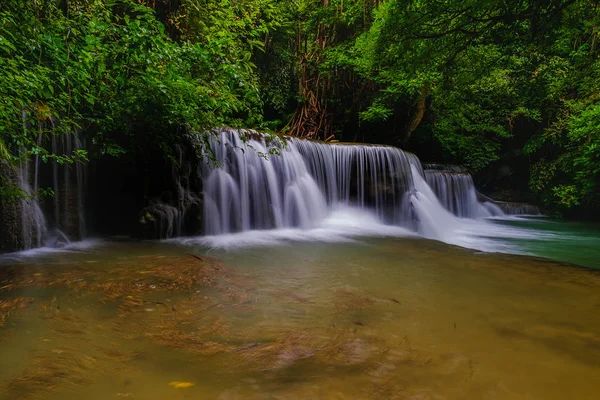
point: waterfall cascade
(33, 222)
(299, 187)
(57, 219)
(456, 192)
(511, 208)
(257, 182)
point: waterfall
(254, 182)
(457, 194)
(305, 190)
(433, 218)
(33, 223)
(246, 191)
(296, 188)
(511, 208)
(68, 182)
(52, 220)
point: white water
(436, 222)
(33, 223)
(313, 191)
(79, 246)
(302, 185)
(343, 224)
(310, 191)
(64, 219)
(456, 192)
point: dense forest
(508, 89)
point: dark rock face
(193, 221)
(179, 207)
(162, 221)
(11, 234)
(114, 195)
(159, 221)
(66, 213)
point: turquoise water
(571, 242)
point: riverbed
(368, 317)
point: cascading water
(269, 189)
(298, 187)
(247, 191)
(33, 223)
(366, 176)
(456, 192)
(433, 218)
(68, 182)
(63, 218)
(329, 191)
(519, 208)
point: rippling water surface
(374, 318)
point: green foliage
(578, 180)
(516, 76)
(109, 70)
(476, 79)
(9, 191)
(4, 153)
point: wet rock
(159, 221)
(11, 234)
(178, 209)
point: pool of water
(573, 242)
(370, 318)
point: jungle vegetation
(479, 83)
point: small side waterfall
(433, 218)
(33, 222)
(511, 208)
(68, 182)
(456, 192)
(57, 219)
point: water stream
(312, 191)
(317, 279)
(308, 185)
(260, 191)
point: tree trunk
(416, 114)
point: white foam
(82, 245)
(344, 224)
